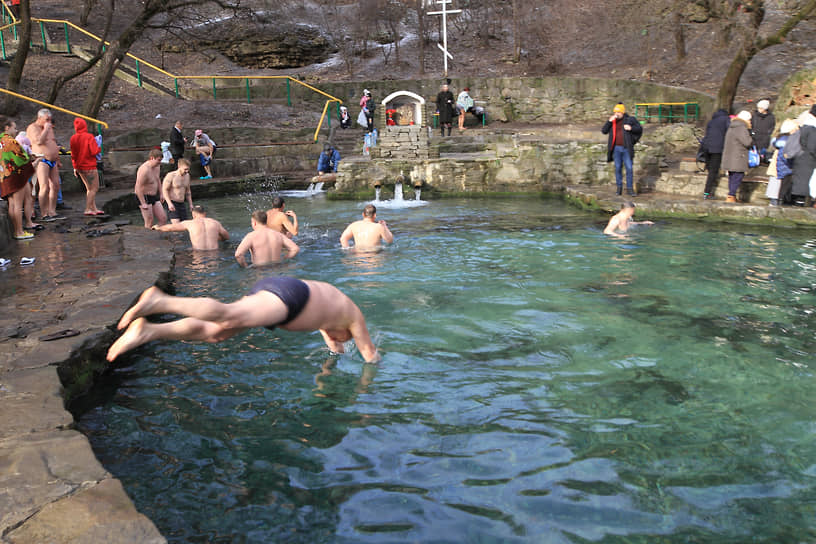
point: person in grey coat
(735, 152)
(805, 163)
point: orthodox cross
(444, 45)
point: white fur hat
(763, 104)
(788, 126)
(745, 116)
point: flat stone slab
(100, 513)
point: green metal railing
(669, 111)
(141, 65)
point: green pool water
(540, 382)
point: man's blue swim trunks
(293, 292)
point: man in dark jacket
(763, 123)
(713, 146)
(177, 142)
(624, 132)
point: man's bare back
(265, 246)
(367, 232)
(279, 221)
(205, 233)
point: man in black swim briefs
(288, 303)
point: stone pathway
(52, 488)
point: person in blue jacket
(328, 160)
(624, 132)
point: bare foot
(143, 306)
(137, 334)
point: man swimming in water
(621, 221)
(280, 301)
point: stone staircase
(686, 179)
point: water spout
(377, 190)
(417, 194)
(398, 192)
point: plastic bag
(361, 119)
(753, 157)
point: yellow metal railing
(52, 106)
(141, 64)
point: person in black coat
(763, 124)
(445, 104)
(712, 144)
(177, 142)
(624, 132)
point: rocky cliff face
(263, 47)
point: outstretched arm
(292, 227)
(386, 234)
(172, 227)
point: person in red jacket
(83, 156)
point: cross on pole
(444, 46)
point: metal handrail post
(42, 35)
(288, 92)
(214, 96)
(249, 96)
(138, 73)
(3, 45)
(177, 90)
(67, 41)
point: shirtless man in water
(367, 232)
(621, 221)
(176, 192)
(44, 144)
(279, 301)
(205, 233)
(264, 244)
(147, 189)
(277, 219)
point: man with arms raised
(44, 144)
(147, 189)
(176, 192)
(279, 301)
(205, 233)
(367, 232)
(264, 244)
(277, 219)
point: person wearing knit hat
(735, 152)
(763, 124)
(624, 132)
(780, 171)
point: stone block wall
(403, 142)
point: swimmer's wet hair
(628, 204)
(259, 216)
(277, 202)
(370, 210)
(199, 209)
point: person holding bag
(735, 152)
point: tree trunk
(420, 11)
(679, 34)
(516, 34)
(15, 74)
(755, 44)
(110, 61)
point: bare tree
(754, 42)
(62, 79)
(119, 47)
(422, 31)
(15, 75)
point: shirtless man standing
(147, 189)
(264, 244)
(367, 232)
(279, 301)
(277, 219)
(621, 221)
(205, 233)
(44, 144)
(176, 192)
